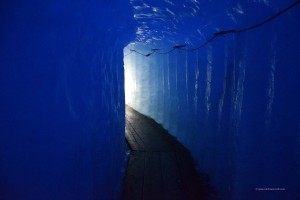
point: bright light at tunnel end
(130, 81)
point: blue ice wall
(62, 98)
(233, 103)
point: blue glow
(233, 103)
(62, 99)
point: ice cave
(221, 77)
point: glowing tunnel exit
(130, 78)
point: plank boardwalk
(159, 167)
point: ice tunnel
(221, 76)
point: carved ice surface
(233, 103)
(62, 99)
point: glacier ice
(62, 99)
(233, 103)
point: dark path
(159, 166)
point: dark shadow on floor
(160, 167)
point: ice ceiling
(159, 20)
(182, 21)
(191, 22)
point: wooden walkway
(159, 167)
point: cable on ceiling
(218, 34)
